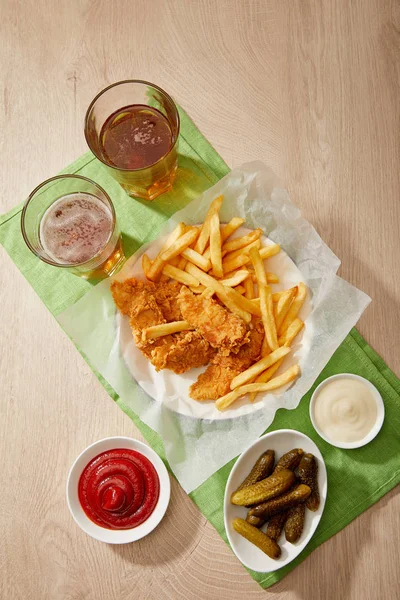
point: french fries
(233, 306)
(258, 367)
(181, 276)
(208, 281)
(204, 235)
(215, 246)
(157, 266)
(287, 339)
(180, 245)
(243, 302)
(294, 308)
(273, 384)
(266, 376)
(267, 314)
(156, 331)
(244, 259)
(228, 256)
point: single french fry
(243, 241)
(258, 266)
(157, 265)
(243, 302)
(236, 278)
(248, 288)
(207, 293)
(273, 384)
(196, 258)
(180, 276)
(267, 314)
(233, 306)
(294, 309)
(281, 308)
(197, 290)
(266, 376)
(215, 246)
(269, 251)
(231, 227)
(182, 262)
(146, 264)
(276, 295)
(236, 263)
(258, 367)
(230, 256)
(240, 289)
(156, 331)
(204, 235)
(174, 261)
(272, 278)
(180, 245)
(294, 328)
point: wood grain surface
(310, 87)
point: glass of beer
(69, 221)
(132, 127)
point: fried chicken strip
(216, 379)
(150, 304)
(221, 328)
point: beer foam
(75, 228)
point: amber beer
(77, 230)
(132, 127)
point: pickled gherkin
(275, 525)
(272, 486)
(256, 521)
(308, 474)
(257, 537)
(290, 460)
(295, 523)
(262, 469)
(288, 500)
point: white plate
(172, 389)
(117, 536)
(281, 441)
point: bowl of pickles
(274, 499)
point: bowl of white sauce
(347, 411)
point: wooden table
(311, 88)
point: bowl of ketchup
(118, 490)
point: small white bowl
(379, 419)
(117, 536)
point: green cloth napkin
(356, 478)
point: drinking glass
(106, 261)
(151, 180)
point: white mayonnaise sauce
(345, 410)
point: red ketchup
(119, 489)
